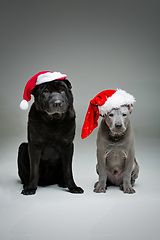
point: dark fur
(47, 157)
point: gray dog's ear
(130, 108)
(67, 82)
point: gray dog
(116, 151)
(115, 141)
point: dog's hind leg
(23, 163)
(135, 172)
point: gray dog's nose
(118, 125)
(57, 103)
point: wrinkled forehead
(53, 85)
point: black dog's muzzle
(57, 104)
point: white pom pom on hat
(23, 104)
(37, 79)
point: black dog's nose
(118, 125)
(57, 103)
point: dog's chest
(49, 134)
(115, 158)
(115, 161)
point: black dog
(47, 157)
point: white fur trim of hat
(118, 99)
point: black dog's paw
(28, 191)
(76, 190)
(62, 185)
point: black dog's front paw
(76, 190)
(28, 191)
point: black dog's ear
(68, 83)
(33, 92)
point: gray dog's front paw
(127, 189)
(98, 188)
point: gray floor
(54, 213)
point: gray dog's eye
(111, 115)
(124, 114)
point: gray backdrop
(98, 44)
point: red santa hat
(103, 103)
(37, 79)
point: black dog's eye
(111, 115)
(124, 114)
(61, 89)
(46, 91)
